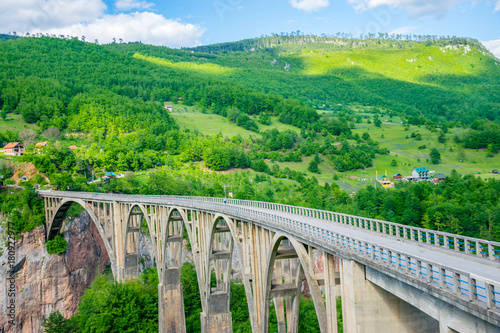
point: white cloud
(494, 47)
(414, 8)
(497, 7)
(37, 15)
(403, 30)
(132, 4)
(147, 27)
(309, 5)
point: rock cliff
(47, 283)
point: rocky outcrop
(47, 283)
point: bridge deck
(464, 262)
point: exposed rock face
(47, 283)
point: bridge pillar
(119, 238)
(218, 319)
(369, 308)
(171, 303)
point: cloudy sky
(178, 23)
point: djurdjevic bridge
(391, 277)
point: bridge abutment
(369, 308)
(449, 315)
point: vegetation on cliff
(24, 210)
(57, 245)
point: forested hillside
(117, 102)
(444, 80)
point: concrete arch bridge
(391, 277)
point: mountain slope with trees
(442, 79)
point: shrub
(56, 323)
(58, 245)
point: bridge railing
(464, 285)
(469, 245)
(474, 246)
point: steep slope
(87, 87)
(445, 79)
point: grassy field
(14, 123)
(407, 154)
(212, 124)
(411, 66)
(208, 68)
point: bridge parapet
(468, 245)
(443, 240)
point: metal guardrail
(467, 286)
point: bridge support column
(330, 292)
(218, 318)
(171, 303)
(369, 308)
(119, 241)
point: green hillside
(443, 80)
(271, 104)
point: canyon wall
(46, 283)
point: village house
(110, 175)
(420, 173)
(438, 178)
(13, 148)
(72, 147)
(397, 176)
(385, 182)
(169, 108)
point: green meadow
(407, 154)
(212, 124)
(14, 123)
(391, 135)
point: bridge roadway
(469, 282)
(484, 269)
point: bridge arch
(220, 252)
(223, 241)
(289, 286)
(132, 236)
(172, 235)
(56, 224)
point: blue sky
(177, 23)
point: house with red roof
(13, 148)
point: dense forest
(114, 96)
